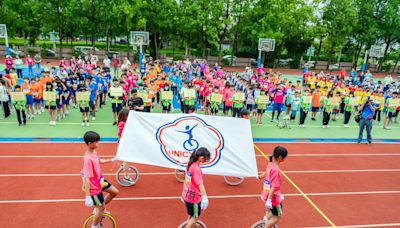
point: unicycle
(179, 175)
(130, 179)
(234, 181)
(199, 224)
(107, 221)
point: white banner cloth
(168, 140)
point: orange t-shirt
(26, 88)
(38, 89)
(45, 80)
(315, 99)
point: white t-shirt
(107, 62)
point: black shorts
(207, 104)
(214, 111)
(249, 107)
(201, 97)
(260, 111)
(146, 108)
(85, 109)
(391, 114)
(277, 210)
(228, 108)
(116, 107)
(315, 109)
(193, 209)
(52, 107)
(166, 108)
(98, 200)
(106, 185)
(92, 105)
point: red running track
(352, 184)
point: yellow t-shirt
(379, 101)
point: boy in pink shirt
(93, 180)
(272, 182)
(194, 193)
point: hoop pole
(6, 39)
(259, 58)
(364, 65)
(141, 57)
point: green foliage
(199, 27)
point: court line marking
(254, 125)
(210, 197)
(172, 173)
(257, 155)
(360, 226)
(301, 191)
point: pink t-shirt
(227, 96)
(121, 126)
(91, 169)
(29, 61)
(9, 63)
(279, 95)
(260, 70)
(193, 179)
(273, 178)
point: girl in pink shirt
(272, 182)
(122, 118)
(194, 193)
(229, 92)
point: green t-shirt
(390, 109)
(83, 104)
(165, 102)
(261, 106)
(304, 106)
(18, 103)
(348, 108)
(236, 103)
(214, 105)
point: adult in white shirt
(126, 64)
(107, 62)
(18, 65)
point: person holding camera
(367, 110)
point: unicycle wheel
(199, 224)
(234, 181)
(259, 224)
(130, 179)
(107, 221)
(180, 175)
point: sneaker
(115, 123)
(369, 143)
(93, 118)
(358, 142)
(63, 116)
(51, 123)
(87, 124)
(83, 124)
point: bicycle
(198, 224)
(233, 181)
(121, 176)
(107, 221)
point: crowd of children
(208, 88)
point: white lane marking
(212, 197)
(360, 226)
(172, 173)
(257, 155)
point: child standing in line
(213, 104)
(261, 106)
(84, 108)
(93, 180)
(348, 109)
(304, 106)
(20, 107)
(194, 193)
(26, 88)
(272, 183)
(295, 105)
(391, 112)
(327, 109)
(51, 106)
(165, 103)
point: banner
(17, 96)
(169, 140)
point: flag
(168, 140)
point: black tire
(133, 174)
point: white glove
(89, 201)
(268, 204)
(204, 202)
(282, 198)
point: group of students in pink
(194, 194)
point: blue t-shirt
(105, 81)
(93, 87)
(367, 112)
